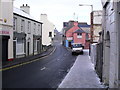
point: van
(77, 48)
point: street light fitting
(87, 5)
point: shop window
(20, 46)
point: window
(50, 34)
(79, 35)
(22, 25)
(29, 27)
(35, 45)
(34, 27)
(87, 36)
(39, 27)
(20, 46)
(15, 23)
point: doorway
(5, 48)
(28, 44)
(69, 44)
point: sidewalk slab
(82, 74)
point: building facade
(27, 33)
(48, 30)
(20, 34)
(6, 29)
(97, 24)
(111, 43)
(72, 33)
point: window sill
(35, 50)
(20, 53)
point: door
(28, 48)
(4, 50)
(69, 43)
(14, 48)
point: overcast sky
(59, 11)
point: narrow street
(45, 73)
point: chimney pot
(25, 8)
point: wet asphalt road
(45, 73)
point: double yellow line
(24, 63)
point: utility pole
(91, 21)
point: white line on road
(43, 68)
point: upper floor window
(22, 25)
(50, 34)
(34, 27)
(29, 27)
(87, 36)
(15, 23)
(38, 27)
(79, 35)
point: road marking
(43, 68)
(24, 63)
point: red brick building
(75, 34)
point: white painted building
(20, 34)
(48, 30)
(6, 29)
(27, 33)
(111, 48)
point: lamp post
(91, 28)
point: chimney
(25, 8)
(43, 16)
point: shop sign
(4, 32)
(69, 38)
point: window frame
(17, 52)
(50, 34)
(14, 24)
(29, 27)
(34, 28)
(22, 25)
(79, 35)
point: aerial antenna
(74, 16)
(77, 18)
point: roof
(87, 30)
(23, 14)
(79, 31)
(83, 25)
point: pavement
(82, 74)
(26, 59)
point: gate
(99, 60)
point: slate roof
(23, 14)
(79, 31)
(82, 24)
